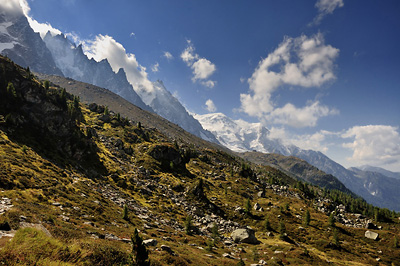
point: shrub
(139, 251)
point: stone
(257, 207)
(228, 256)
(370, 226)
(246, 235)
(150, 242)
(371, 235)
(166, 248)
(261, 194)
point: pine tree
(11, 90)
(247, 206)
(188, 225)
(139, 251)
(267, 224)
(282, 230)
(331, 220)
(307, 218)
(46, 84)
(125, 214)
(336, 238)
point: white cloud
(105, 47)
(168, 55)
(210, 106)
(202, 68)
(326, 7)
(302, 61)
(376, 145)
(208, 83)
(155, 67)
(11, 7)
(21, 7)
(300, 117)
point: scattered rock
(257, 207)
(150, 242)
(246, 235)
(371, 235)
(167, 249)
(228, 256)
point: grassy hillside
(76, 181)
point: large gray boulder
(246, 235)
(371, 235)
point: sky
(320, 74)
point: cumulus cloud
(21, 7)
(202, 68)
(302, 61)
(210, 106)
(300, 117)
(168, 55)
(376, 145)
(105, 47)
(326, 7)
(11, 7)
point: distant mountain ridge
(242, 136)
(76, 65)
(57, 55)
(25, 47)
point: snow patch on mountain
(241, 136)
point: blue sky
(321, 74)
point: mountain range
(57, 55)
(376, 185)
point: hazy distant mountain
(25, 47)
(242, 136)
(380, 170)
(76, 65)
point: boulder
(167, 249)
(150, 242)
(371, 235)
(246, 235)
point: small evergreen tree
(282, 230)
(188, 225)
(336, 238)
(46, 84)
(307, 218)
(11, 90)
(215, 232)
(247, 206)
(396, 242)
(139, 251)
(125, 214)
(267, 224)
(331, 220)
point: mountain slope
(89, 94)
(297, 168)
(55, 211)
(20, 43)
